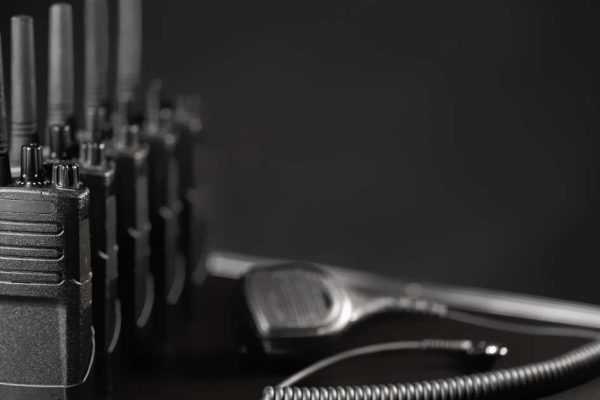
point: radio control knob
(32, 164)
(65, 176)
(60, 138)
(92, 154)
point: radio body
(46, 335)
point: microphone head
(295, 302)
(96, 54)
(61, 102)
(129, 52)
(23, 87)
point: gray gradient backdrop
(453, 141)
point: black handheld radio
(95, 172)
(168, 261)
(46, 335)
(136, 283)
(194, 190)
(98, 174)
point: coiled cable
(474, 386)
(489, 351)
(508, 381)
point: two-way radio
(136, 282)
(98, 174)
(168, 260)
(46, 335)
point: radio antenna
(129, 56)
(96, 62)
(61, 103)
(23, 88)
(5, 175)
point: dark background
(452, 141)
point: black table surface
(206, 360)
